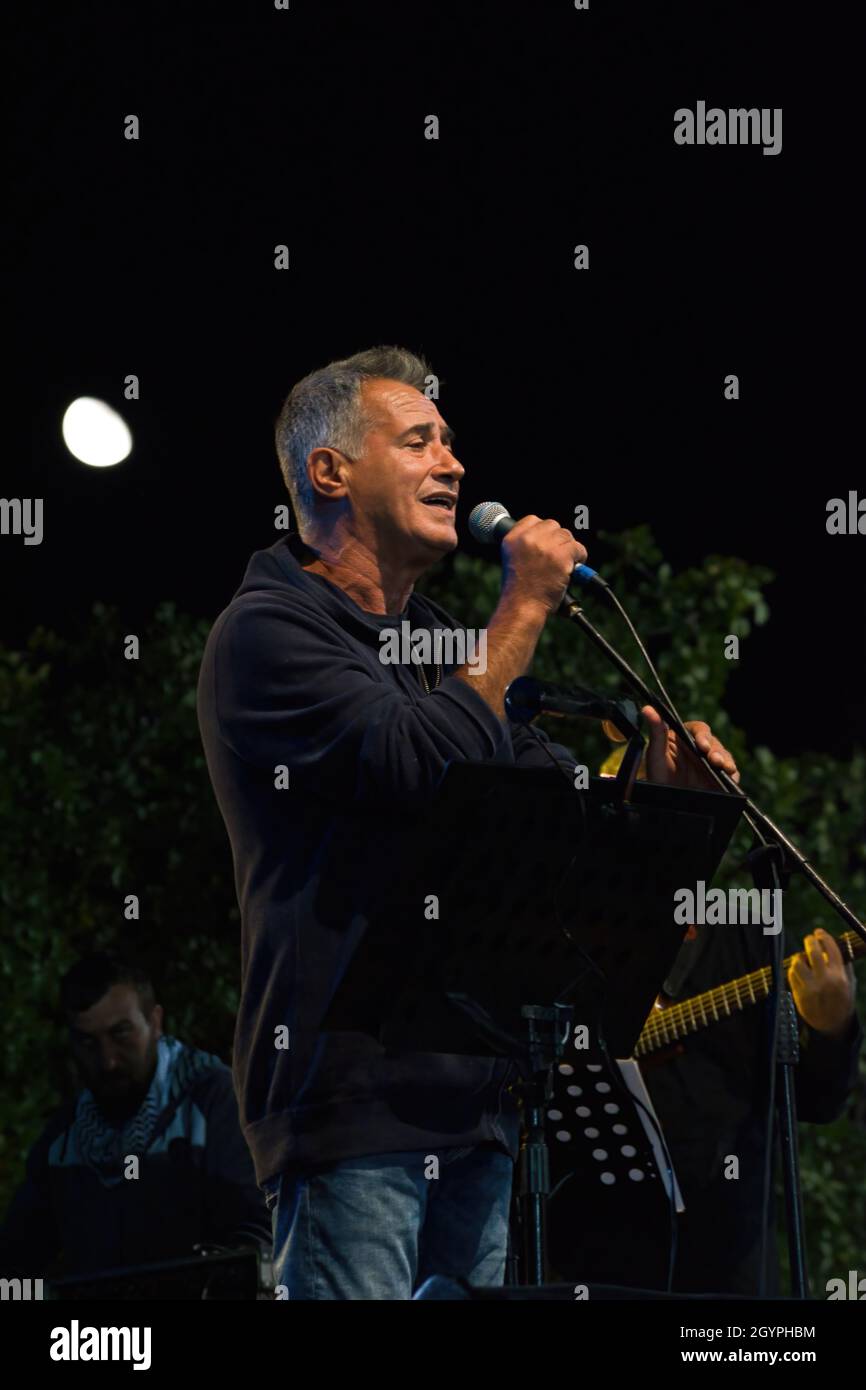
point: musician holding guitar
(712, 1098)
(703, 1055)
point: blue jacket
(291, 678)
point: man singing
(316, 751)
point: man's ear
(326, 470)
(156, 1020)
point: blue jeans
(377, 1227)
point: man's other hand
(670, 763)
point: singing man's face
(115, 1047)
(407, 455)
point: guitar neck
(667, 1025)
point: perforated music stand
(549, 900)
(609, 1171)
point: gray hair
(326, 408)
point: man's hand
(538, 560)
(823, 986)
(669, 762)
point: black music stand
(608, 1168)
(554, 905)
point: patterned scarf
(104, 1147)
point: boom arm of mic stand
(760, 823)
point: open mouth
(446, 504)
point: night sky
(603, 387)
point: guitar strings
(676, 1018)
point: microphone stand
(771, 862)
(762, 825)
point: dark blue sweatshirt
(291, 679)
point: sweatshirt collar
(292, 553)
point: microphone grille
(483, 519)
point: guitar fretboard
(667, 1025)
